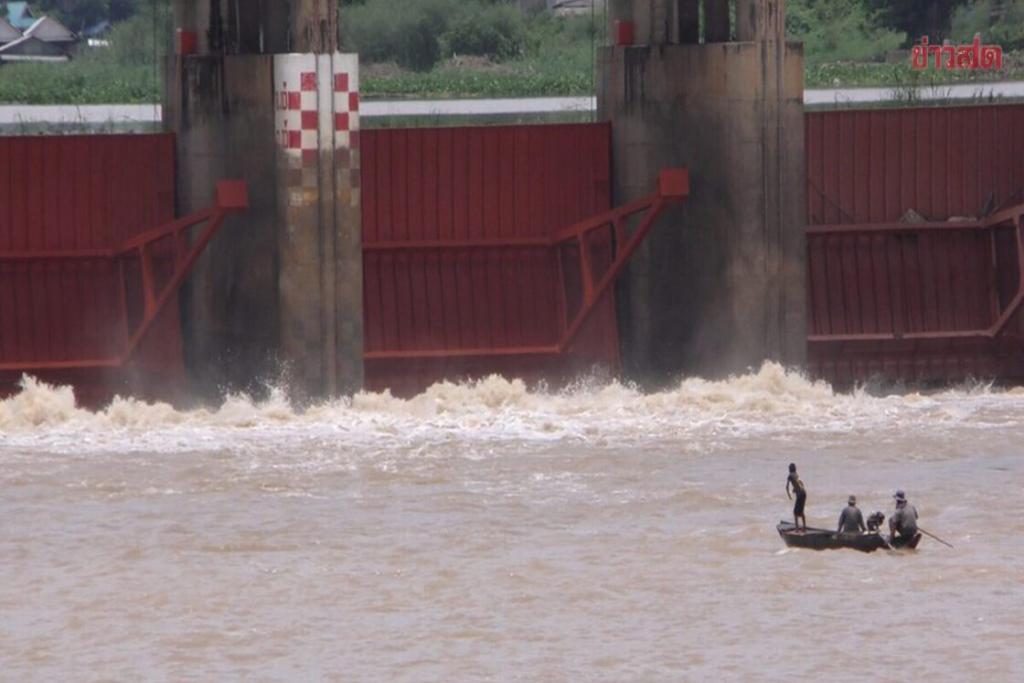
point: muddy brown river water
(490, 533)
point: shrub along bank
(487, 48)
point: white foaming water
(486, 531)
(772, 402)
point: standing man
(851, 521)
(801, 496)
(903, 523)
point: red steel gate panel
(511, 187)
(82, 194)
(870, 166)
(896, 300)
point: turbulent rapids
(491, 531)
(699, 414)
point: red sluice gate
(587, 257)
(488, 250)
(918, 302)
(494, 249)
(914, 244)
(88, 290)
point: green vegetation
(125, 73)
(494, 31)
(839, 30)
(449, 48)
(487, 48)
(461, 81)
(80, 82)
(552, 56)
(1000, 22)
(390, 30)
(418, 35)
(900, 75)
(81, 14)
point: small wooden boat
(825, 539)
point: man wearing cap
(903, 523)
(851, 521)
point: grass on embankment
(558, 62)
(87, 82)
(78, 82)
(515, 56)
(900, 75)
(478, 78)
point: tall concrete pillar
(320, 241)
(221, 110)
(719, 286)
(278, 295)
(314, 26)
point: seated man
(903, 523)
(851, 521)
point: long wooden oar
(928, 533)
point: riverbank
(93, 83)
(138, 118)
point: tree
(917, 17)
(125, 9)
(998, 21)
(81, 14)
(75, 14)
(838, 30)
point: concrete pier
(320, 237)
(278, 297)
(221, 109)
(720, 285)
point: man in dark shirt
(801, 496)
(903, 523)
(851, 521)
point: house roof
(51, 30)
(8, 32)
(28, 48)
(19, 15)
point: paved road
(967, 91)
(79, 114)
(148, 113)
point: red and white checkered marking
(346, 112)
(299, 117)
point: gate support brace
(673, 186)
(232, 197)
(1010, 217)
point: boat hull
(901, 543)
(823, 539)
